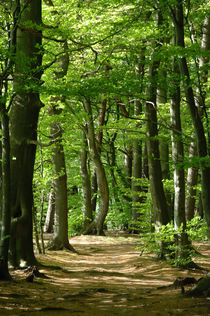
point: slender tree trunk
(111, 160)
(97, 225)
(178, 166)
(163, 144)
(159, 203)
(195, 115)
(60, 236)
(86, 185)
(23, 132)
(5, 205)
(192, 178)
(99, 138)
(128, 164)
(137, 170)
(137, 144)
(49, 220)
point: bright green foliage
(196, 230)
(103, 40)
(110, 34)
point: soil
(106, 277)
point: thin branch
(35, 142)
(86, 74)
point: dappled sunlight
(106, 277)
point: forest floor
(106, 277)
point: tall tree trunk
(159, 203)
(86, 185)
(99, 138)
(128, 164)
(60, 235)
(163, 144)
(111, 160)
(192, 178)
(23, 131)
(5, 214)
(178, 166)
(49, 220)
(137, 144)
(195, 115)
(97, 225)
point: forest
(104, 109)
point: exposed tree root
(201, 289)
(56, 244)
(92, 230)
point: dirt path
(106, 278)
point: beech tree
(202, 142)
(104, 68)
(23, 129)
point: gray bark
(163, 144)
(178, 166)
(195, 116)
(159, 203)
(86, 185)
(192, 178)
(60, 235)
(99, 138)
(97, 225)
(137, 197)
(136, 176)
(49, 220)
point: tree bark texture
(136, 170)
(178, 166)
(99, 139)
(86, 185)
(155, 176)
(137, 144)
(5, 217)
(23, 129)
(60, 235)
(195, 115)
(60, 238)
(163, 144)
(49, 220)
(192, 179)
(97, 225)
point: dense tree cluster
(104, 121)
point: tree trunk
(137, 170)
(86, 185)
(49, 220)
(192, 178)
(99, 137)
(128, 164)
(159, 203)
(137, 198)
(178, 166)
(195, 115)
(60, 235)
(97, 225)
(23, 132)
(163, 143)
(5, 217)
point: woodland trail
(107, 277)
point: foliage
(110, 46)
(196, 230)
